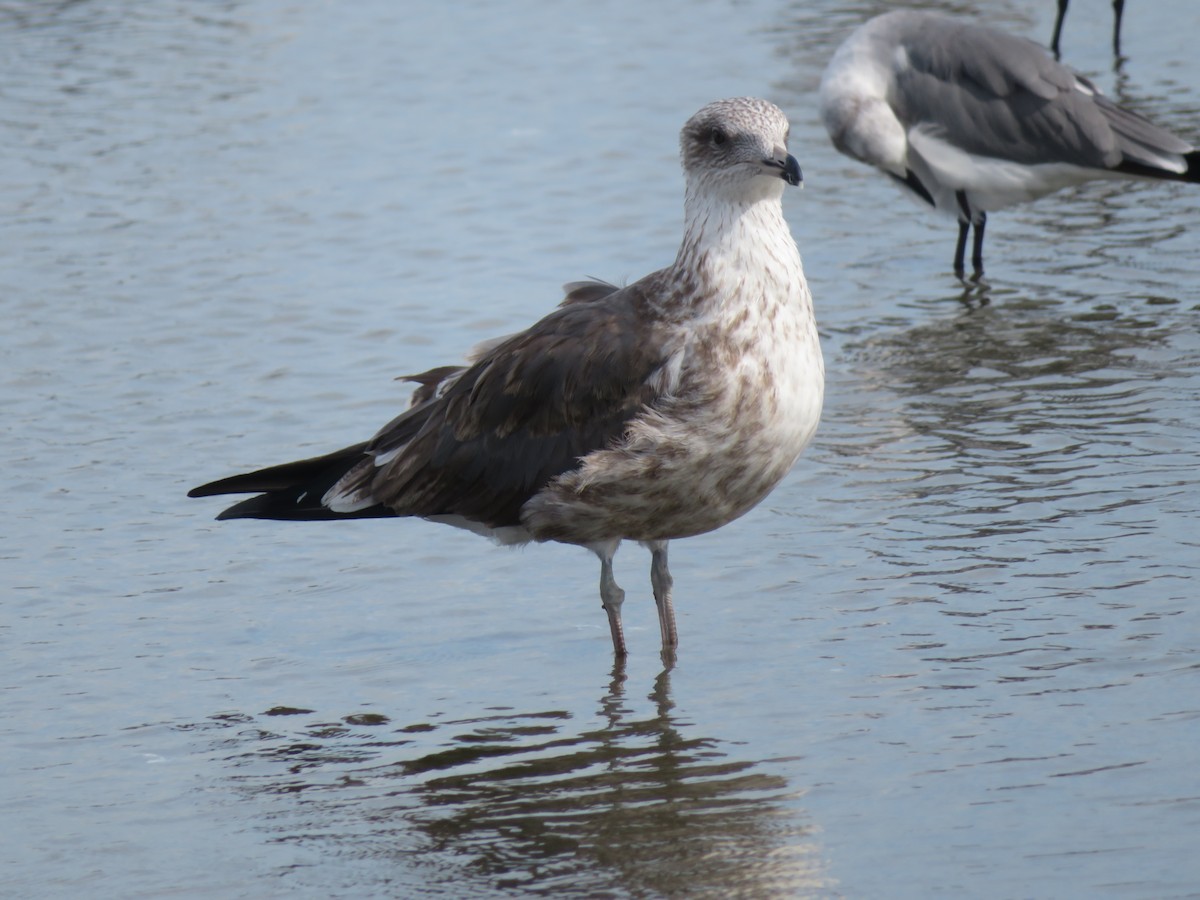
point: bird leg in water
(611, 597)
(960, 249)
(660, 578)
(1058, 24)
(1118, 10)
(977, 247)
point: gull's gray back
(996, 95)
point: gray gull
(660, 410)
(971, 119)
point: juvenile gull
(660, 410)
(971, 119)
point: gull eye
(718, 137)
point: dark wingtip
(1190, 175)
(220, 486)
(1193, 167)
(266, 506)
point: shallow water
(954, 654)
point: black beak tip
(791, 171)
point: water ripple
(631, 801)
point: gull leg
(977, 247)
(964, 226)
(611, 595)
(1058, 23)
(960, 248)
(660, 578)
(1118, 9)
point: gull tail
(1148, 150)
(292, 491)
(1189, 171)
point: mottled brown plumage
(529, 410)
(659, 410)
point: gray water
(954, 655)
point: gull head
(739, 145)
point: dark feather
(292, 490)
(586, 291)
(481, 443)
(429, 382)
(277, 478)
(297, 504)
(524, 412)
(1192, 175)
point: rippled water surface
(955, 654)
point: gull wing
(996, 95)
(485, 438)
(525, 411)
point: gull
(971, 119)
(655, 411)
(1118, 10)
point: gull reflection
(626, 800)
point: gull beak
(784, 165)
